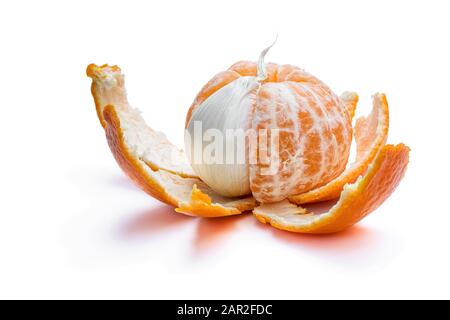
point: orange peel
(108, 88)
(144, 155)
(370, 134)
(357, 200)
(350, 100)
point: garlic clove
(215, 137)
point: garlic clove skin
(215, 137)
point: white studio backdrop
(73, 226)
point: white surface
(72, 225)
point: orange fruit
(357, 200)
(314, 125)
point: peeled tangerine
(314, 135)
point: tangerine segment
(357, 200)
(108, 88)
(191, 195)
(314, 139)
(370, 134)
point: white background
(73, 226)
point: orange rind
(203, 205)
(152, 147)
(357, 200)
(350, 100)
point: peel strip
(357, 200)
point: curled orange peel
(201, 204)
(357, 200)
(152, 147)
(350, 100)
(162, 171)
(148, 158)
